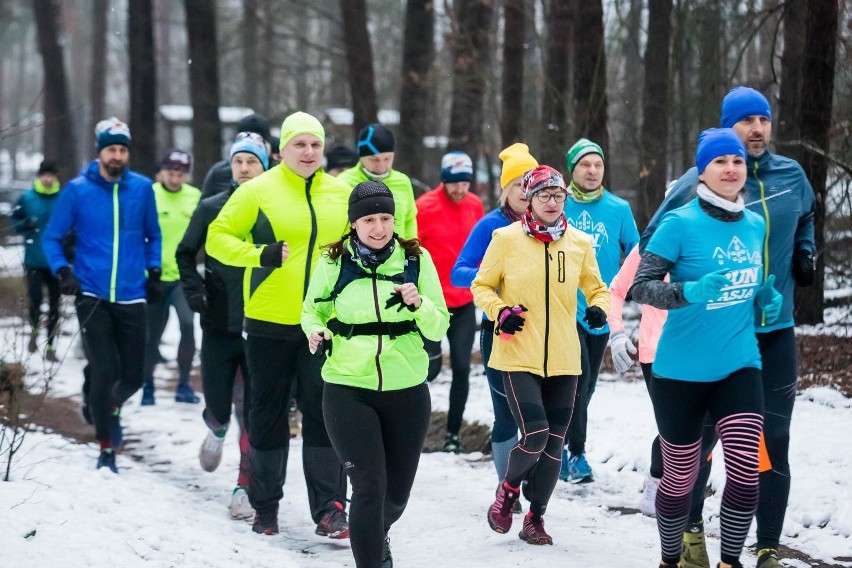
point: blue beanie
(253, 144)
(455, 167)
(741, 102)
(715, 142)
(111, 131)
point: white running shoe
(648, 505)
(210, 455)
(240, 506)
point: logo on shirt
(744, 279)
(597, 231)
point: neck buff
(375, 177)
(510, 213)
(707, 195)
(39, 187)
(541, 232)
(371, 258)
(581, 196)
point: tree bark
(98, 68)
(590, 101)
(58, 123)
(249, 37)
(514, 36)
(203, 83)
(655, 126)
(359, 55)
(418, 53)
(143, 86)
(711, 83)
(554, 109)
(786, 126)
(471, 66)
(818, 72)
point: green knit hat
(300, 123)
(582, 147)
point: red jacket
(443, 227)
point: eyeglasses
(252, 135)
(557, 197)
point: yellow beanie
(300, 123)
(516, 162)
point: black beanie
(369, 198)
(256, 123)
(47, 167)
(340, 156)
(374, 139)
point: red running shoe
(334, 523)
(533, 531)
(500, 512)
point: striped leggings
(735, 405)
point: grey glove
(619, 347)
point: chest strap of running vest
(392, 329)
(351, 271)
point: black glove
(197, 302)
(595, 317)
(323, 348)
(510, 320)
(803, 268)
(153, 287)
(396, 298)
(270, 256)
(68, 285)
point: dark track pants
(592, 349)
(114, 340)
(542, 410)
(379, 437)
(37, 279)
(222, 357)
(735, 404)
(460, 335)
(780, 367)
(158, 317)
(274, 364)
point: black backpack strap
(392, 329)
(349, 272)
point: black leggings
(38, 278)
(778, 353)
(656, 469)
(735, 405)
(592, 349)
(114, 340)
(542, 409)
(461, 333)
(158, 317)
(378, 436)
(222, 357)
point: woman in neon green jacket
(370, 298)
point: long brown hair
(335, 250)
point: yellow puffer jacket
(544, 277)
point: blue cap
(455, 167)
(715, 142)
(252, 143)
(742, 102)
(111, 131)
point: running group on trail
(325, 287)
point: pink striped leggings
(735, 405)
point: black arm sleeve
(187, 251)
(649, 286)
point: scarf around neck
(542, 232)
(581, 196)
(707, 195)
(510, 213)
(375, 177)
(40, 188)
(372, 258)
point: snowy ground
(163, 510)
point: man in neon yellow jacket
(376, 151)
(273, 226)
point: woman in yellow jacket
(527, 284)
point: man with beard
(116, 271)
(777, 189)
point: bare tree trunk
(269, 49)
(98, 67)
(359, 54)
(817, 89)
(143, 86)
(204, 83)
(655, 126)
(680, 59)
(554, 108)
(471, 66)
(790, 92)
(418, 52)
(249, 37)
(590, 100)
(514, 35)
(58, 123)
(711, 82)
